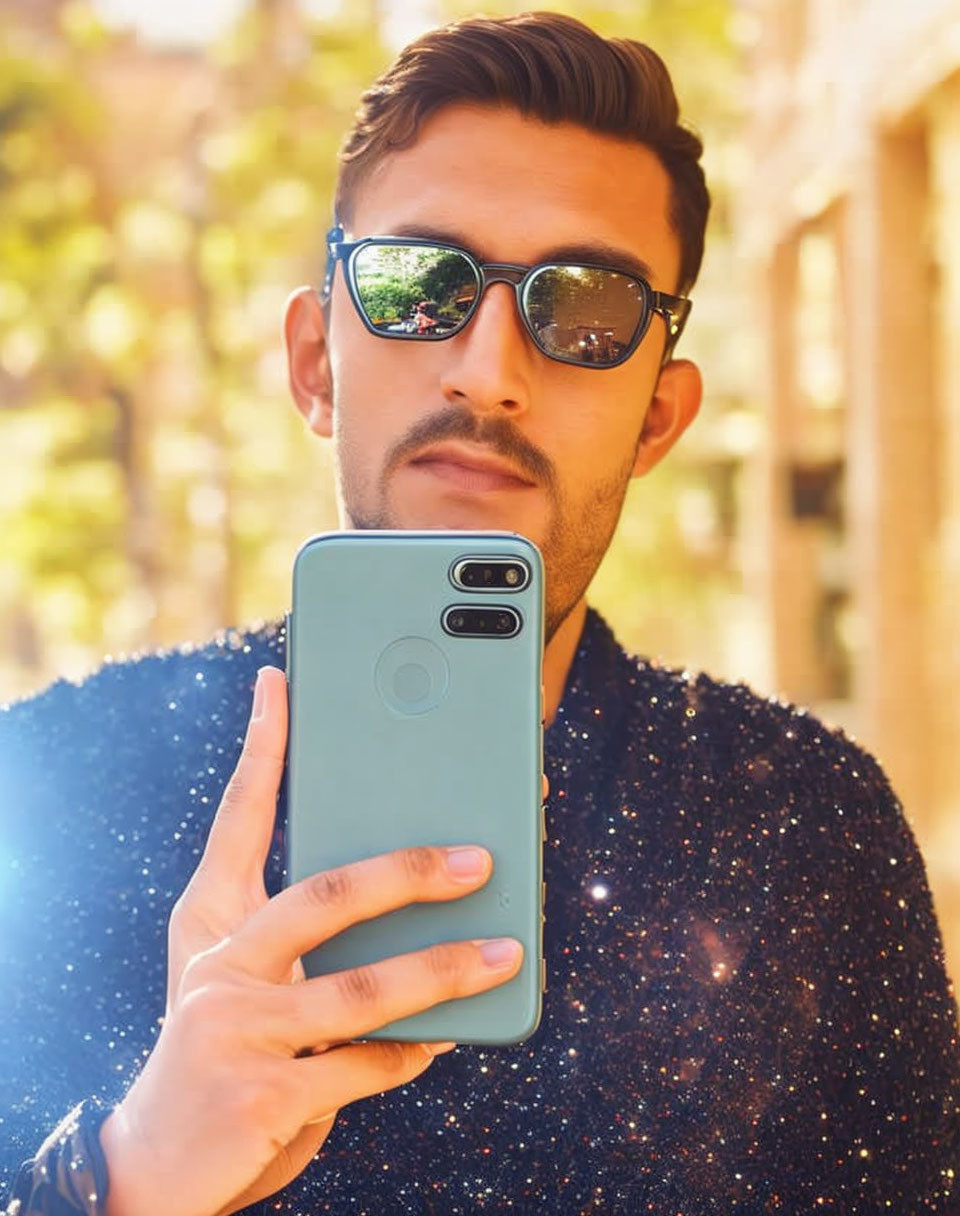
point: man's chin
(452, 517)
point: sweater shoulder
(127, 725)
(743, 737)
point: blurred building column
(790, 588)
(855, 134)
(943, 574)
(892, 472)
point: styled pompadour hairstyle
(546, 66)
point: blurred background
(166, 172)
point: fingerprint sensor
(411, 683)
(412, 675)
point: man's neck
(557, 657)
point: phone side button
(543, 824)
(543, 895)
(543, 975)
(288, 640)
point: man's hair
(547, 66)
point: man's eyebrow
(580, 251)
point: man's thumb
(242, 828)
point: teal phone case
(401, 734)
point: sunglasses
(424, 291)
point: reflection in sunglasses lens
(584, 313)
(580, 313)
(414, 289)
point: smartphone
(414, 662)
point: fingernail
(259, 697)
(438, 1049)
(500, 952)
(466, 864)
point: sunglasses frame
(673, 309)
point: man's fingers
(358, 1070)
(302, 916)
(349, 1004)
(242, 828)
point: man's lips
(470, 470)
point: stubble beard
(576, 540)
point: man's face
(412, 422)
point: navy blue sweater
(747, 1009)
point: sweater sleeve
(106, 793)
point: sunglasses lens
(415, 291)
(584, 314)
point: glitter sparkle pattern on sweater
(746, 1011)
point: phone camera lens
(477, 575)
(492, 622)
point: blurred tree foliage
(156, 207)
(54, 276)
(157, 480)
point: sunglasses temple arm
(334, 238)
(673, 319)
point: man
(746, 1008)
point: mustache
(497, 434)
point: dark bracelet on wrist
(68, 1176)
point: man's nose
(490, 363)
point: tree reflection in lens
(413, 289)
(582, 313)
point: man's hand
(253, 1060)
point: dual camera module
(493, 574)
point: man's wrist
(126, 1171)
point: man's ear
(308, 359)
(673, 406)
